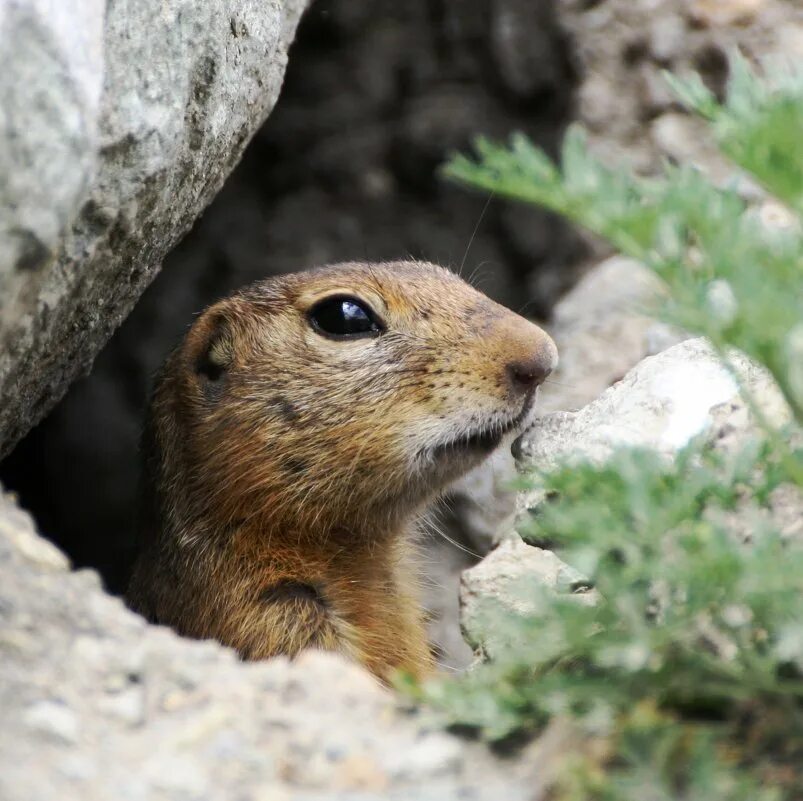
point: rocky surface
(140, 111)
(97, 704)
(48, 148)
(664, 402)
(505, 579)
(667, 400)
(622, 47)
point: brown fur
(287, 470)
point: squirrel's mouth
(484, 439)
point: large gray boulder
(119, 121)
(99, 705)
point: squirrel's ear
(211, 349)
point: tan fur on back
(286, 470)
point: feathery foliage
(686, 678)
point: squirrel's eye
(344, 317)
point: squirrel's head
(343, 395)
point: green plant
(731, 277)
(690, 667)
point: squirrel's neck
(359, 593)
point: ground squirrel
(296, 435)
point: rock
(97, 704)
(661, 404)
(725, 12)
(50, 98)
(510, 577)
(141, 110)
(664, 402)
(603, 328)
(622, 46)
(53, 720)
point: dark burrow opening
(376, 95)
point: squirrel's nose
(530, 355)
(526, 374)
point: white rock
(33, 548)
(661, 404)
(144, 714)
(50, 94)
(509, 577)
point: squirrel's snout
(530, 356)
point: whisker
(559, 383)
(474, 232)
(452, 668)
(436, 528)
(523, 308)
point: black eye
(344, 317)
